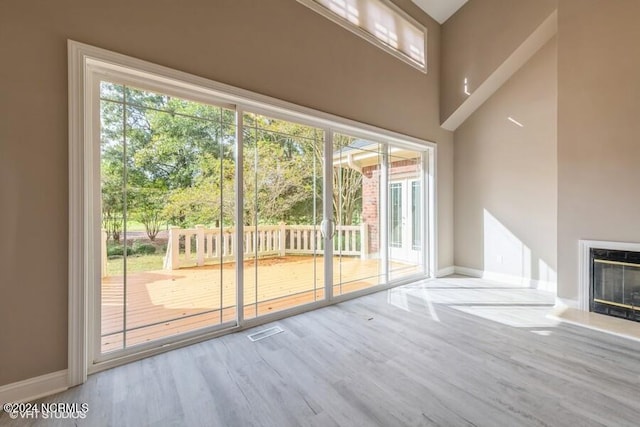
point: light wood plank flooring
(448, 352)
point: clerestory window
(380, 22)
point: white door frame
(84, 61)
(406, 251)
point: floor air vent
(266, 333)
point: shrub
(115, 251)
(118, 250)
(144, 249)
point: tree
(210, 200)
(308, 142)
(274, 182)
(112, 169)
(347, 186)
(347, 194)
(163, 149)
(146, 205)
(175, 162)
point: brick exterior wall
(371, 196)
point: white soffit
(440, 10)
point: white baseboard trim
(466, 271)
(567, 303)
(34, 388)
(545, 286)
(447, 271)
(507, 278)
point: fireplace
(615, 283)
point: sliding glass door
(167, 200)
(379, 208)
(212, 217)
(358, 173)
(282, 192)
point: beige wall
(506, 176)
(480, 37)
(598, 128)
(445, 201)
(277, 47)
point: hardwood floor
(448, 352)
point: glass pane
(416, 215)
(282, 215)
(631, 286)
(172, 267)
(357, 262)
(395, 215)
(112, 211)
(616, 283)
(111, 91)
(383, 22)
(148, 99)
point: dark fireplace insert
(615, 283)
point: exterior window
(395, 201)
(381, 23)
(416, 203)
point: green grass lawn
(138, 226)
(135, 263)
(135, 226)
(141, 256)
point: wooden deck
(164, 303)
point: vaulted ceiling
(440, 10)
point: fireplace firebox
(615, 283)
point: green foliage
(146, 205)
(274, 182)
(211, 198)
(137, 248)
(118, 251)
(143, 248)
(170, 161)
(347, 187)
(134, 264)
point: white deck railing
(188, 247)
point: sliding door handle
(327, 228)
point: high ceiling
(440, 10)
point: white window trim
(82, 245)
(318, 8)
